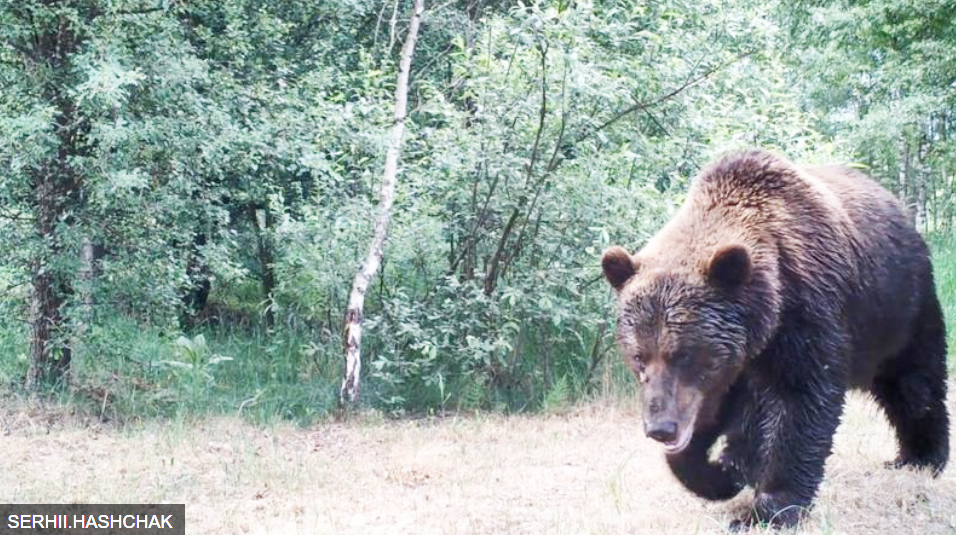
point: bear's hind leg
(911, 388)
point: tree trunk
(55, 198)
(261, 222)
(904, 188)
(921, 184)
(199, 275)
(87, 277)
(47, 366)
(52, 186)
(55, 187)
(354, 313)
(934, 200)
(947, 198)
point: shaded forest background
(187, 188)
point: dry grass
(588, 471)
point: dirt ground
(589, 471)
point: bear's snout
(662, 431)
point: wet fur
(840, 296)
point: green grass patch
(125, 371)
(944, 270)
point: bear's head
(683, 331)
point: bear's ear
(618, 266)
(730, 266)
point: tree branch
(642, 106)
(491, 275)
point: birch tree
(354, 313)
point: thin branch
(657, 123)
(542, 114)
(378, 24)
(491, 275)
(141, 11)
(596, 355)
(392, 24)
(553, 163)
(472, 236)
(640, 106)
(13, 216)
(13, 286)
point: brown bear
(773, 290)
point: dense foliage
(186, 188)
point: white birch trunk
(921, 220)
(921, 185)
(354, 315)
(903, 186)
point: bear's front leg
(711, 480)
(796, 417)
(708, 479)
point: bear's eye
(637, 363)
(680, 359)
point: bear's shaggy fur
(774, 289)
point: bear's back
(892, 264)
(832, 239)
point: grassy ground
(587, 471)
